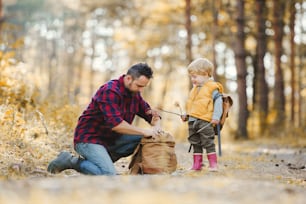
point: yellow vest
(200, 103)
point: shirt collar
(123, 89)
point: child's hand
(215, 122)
(184, 117)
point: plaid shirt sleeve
(108, 103)
(144, 108)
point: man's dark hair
(140, 69)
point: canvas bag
(154, 156)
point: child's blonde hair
(201, 66)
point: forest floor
(249, 172)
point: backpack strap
(217, 96)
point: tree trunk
(261, 87)
(214, 34)
(189, 31)
(92, 71)
(279, 97)
(301, 117)
(240, 55)
(292, 61)
(1, 13)
(52, 69)
(1, 10)
(300, 73)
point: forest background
(54, 55)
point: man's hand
(153, 112)
(156, 130)
(148, 133)
(156, 126)
(151, 133)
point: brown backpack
(154, 156)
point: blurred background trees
(68, 48)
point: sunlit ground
(248, 173)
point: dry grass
(26, 145)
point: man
(104, 132)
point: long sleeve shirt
(111, 104)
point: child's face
(199, 80)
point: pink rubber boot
(197, 161)
(212, 158)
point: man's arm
(155, 122)
(126, 128)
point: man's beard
(128, 88)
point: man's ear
(128, 78)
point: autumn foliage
(29, 127)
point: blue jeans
(99, 160)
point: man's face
(136, 85)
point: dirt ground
(249, 172)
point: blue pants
(99, 160)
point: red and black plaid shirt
(111, 104)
